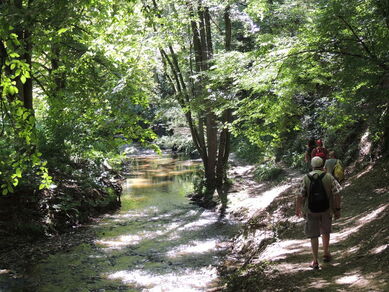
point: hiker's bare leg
(326, 243)
(315, 248)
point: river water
(157, 241)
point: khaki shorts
(317, 223)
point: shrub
(244, 150)
(268, 172)
(182, 143)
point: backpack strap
(316, 176)
(313, 176)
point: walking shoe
(314, 265)
(327, 258)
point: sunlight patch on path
(243, 200)
(282, 249)
(319, 284)
(379, 249)
(194, 247)
(243, 170)
(357, 280)
(170, 230)
(188, 280)
(342, 235)
(349, 278)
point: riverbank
(270, 252)
(30, 216)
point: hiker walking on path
(334, 167)
(318, 200)
(320, 151)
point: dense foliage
(77, 79)
(89, 79)
(320, 69)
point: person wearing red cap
(320, 151)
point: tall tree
(187, 62)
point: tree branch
(360, 40)
(40, 84)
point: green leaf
(18, 172)
(15, 182)
(42, 186)
(14, 55)
(19, 111)
(23, 79)
(13, 90)
(62, 30)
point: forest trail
(272, 254)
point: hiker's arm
(313, 152)
(325, 166)
(336, 188)
(299, 205)
(300, 200)
(307, 156)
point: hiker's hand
(337, 214)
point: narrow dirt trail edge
(271, 252)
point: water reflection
(153, 171)
(156, 242)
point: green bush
(268, 172)
(246, 151)
(183, 144)
(295, 160)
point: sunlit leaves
(317, 61)
(18, 154)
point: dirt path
(271, 253)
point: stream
(157, 241)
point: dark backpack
(317, 196)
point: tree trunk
(228, 28)
(27, 86)
(212, 143)
(208, 32)
(55, 100)
(3, 56)
(225, 135)
(24, 36)
(210, 175)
